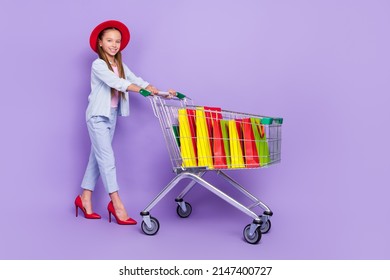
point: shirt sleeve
(103, 73)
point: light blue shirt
(102, 80)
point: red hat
(110, 24)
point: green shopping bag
(225, 137)
(175, 129)
(261, 141)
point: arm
(131, 83)
(133, 87)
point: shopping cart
(195, 137)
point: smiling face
(110, 42)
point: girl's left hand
(172, 93)
(152, 89)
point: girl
(111, 80)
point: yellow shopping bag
(187, 149)
(203, 144)
(236, 153)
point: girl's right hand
(172, 93)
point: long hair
(118, 58)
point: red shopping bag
(240, 132)
(219, 146)
(213, 115)
(191, 113)
(250, 150)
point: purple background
(322, 65)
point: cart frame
(165, 109)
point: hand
(152, 89)
(172, 93)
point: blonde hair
(118, 58)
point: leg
(118, 206)
(86, 199)
(92, 174)
(89, 181)
(100, 132)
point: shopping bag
(213, 115)
(261, 141)
(236, 149)
(203, 142)
(219, 146)
(175, 129)
(187, 148)
(224, 124)
(191, 120)
(251, 155)
(240, 133)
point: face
(111, 42)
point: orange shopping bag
(250, 150)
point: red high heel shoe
(111, 210)
(79, 204)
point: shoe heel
(111, 210)
(79, 204)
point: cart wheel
(153, 229)
(265, 227)
(255, 238)
(184, 214)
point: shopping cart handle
(166, 94)
(180, 95)
(145, 92)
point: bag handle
(261, 129)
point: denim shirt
(102, 80)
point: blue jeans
(101, 159)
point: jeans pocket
(99, 119)
(97, 122)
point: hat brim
(110, 24)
